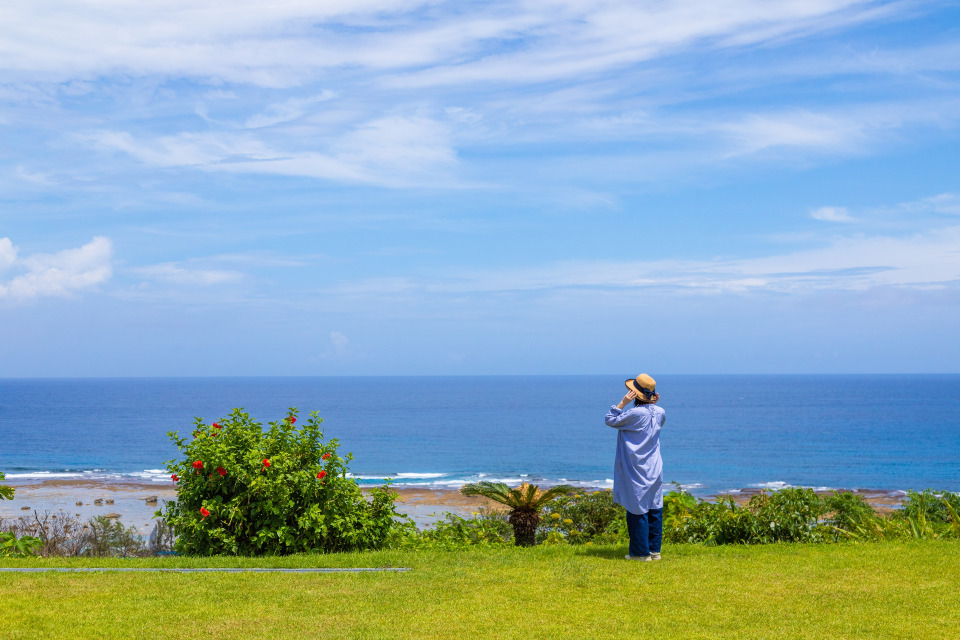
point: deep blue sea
(722, 432)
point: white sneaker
(638, 558)
(654, 556)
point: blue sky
(405, 187)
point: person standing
(638, 468)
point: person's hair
(638, 402)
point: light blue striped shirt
(638, 468)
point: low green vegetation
(790, 515)
(10, 543)
(800, 515)
(898, 589)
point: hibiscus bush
(246, 490)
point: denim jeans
(646, 532)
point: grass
(890, 590)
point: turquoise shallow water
(722, 432)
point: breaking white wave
(44, 475)
(776, 484)
(449, 481)
(419, 475)
(153, 475)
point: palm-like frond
(954, 516)
(526, 496)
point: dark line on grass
(201, 570)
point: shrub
(107, 537)
(722, 522)
(484, 528)
(848, 513)
(243, 490)
(788, 515)
(162, 540)
(930, 505)
(60, 534)
(930, 514)
(677, 508)
(587, 516)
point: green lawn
(891, 590)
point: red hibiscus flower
(266, 463)
(216, 425)
(325, 456)
(175, 478)
(221, 471)
(204, 513)
(321, 475)
(292, 419)
(198, 464)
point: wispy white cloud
(181, 150)
(943, 204)
(290, 42)
(388, 151)
(58, 274)
(922, 261)
(8, 254)
(222, 272)
(175, 273)
(38, 179)
(337, 346)
(832, 214)
(554, 39)
(266, 259)
(946, 203)
(802, 130)
(286, 111)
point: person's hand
(630, 397)
(656, 398)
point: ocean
(722, 433)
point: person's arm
(616, 418)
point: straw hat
(644, 386)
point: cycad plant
(524, 502)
